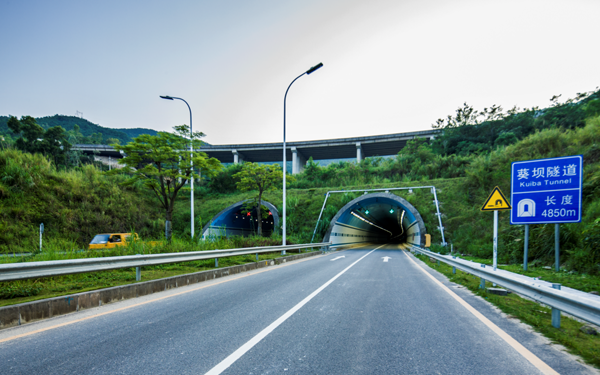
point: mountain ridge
(86, 127)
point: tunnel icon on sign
(526, 208)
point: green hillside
(132, 133)
(75, 205)
(94, 132)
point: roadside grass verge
(532, 313)
(21, 291)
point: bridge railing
(582, 305)
(29, 270)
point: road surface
(369, 310)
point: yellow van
(110, 240)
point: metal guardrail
(574, 302)
(28, 270)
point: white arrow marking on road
(343, 256)
(385, 259)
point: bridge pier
(298, 161)
(359, 153)
(237, 157)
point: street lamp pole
(191, 156)
(309, 71)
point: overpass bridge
(297, 152)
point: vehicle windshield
(100, 239)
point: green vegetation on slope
(73, 205)
(92, 133)
(474, 132)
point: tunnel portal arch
(377, 218)
(231, 222)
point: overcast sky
(389, 66)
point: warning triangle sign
(496, 201)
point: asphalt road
(349, 312)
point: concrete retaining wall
(23, 313)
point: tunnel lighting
(402, 222)
(368, 222)
(366, 212)
(391, 210)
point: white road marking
(343, 256)
(532, 358)
(224, 365)
(385, 259)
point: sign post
(526, 247)
(496, 202)
(41, 231)
(547, 191)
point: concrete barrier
(28, 312)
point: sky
(389, 66)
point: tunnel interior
(377, 218)
(236, 220)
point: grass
(532, 313)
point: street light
(191, 155)
(309, 71)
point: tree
(55, 145)
(29, 130)
(254, 176)
(163, 163)
(33, 138)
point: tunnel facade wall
(213, 229)
(344, 233)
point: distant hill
(86, 127)
(132, 133)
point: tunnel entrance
(235, 221)
(377, 218)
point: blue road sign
(546, 191)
